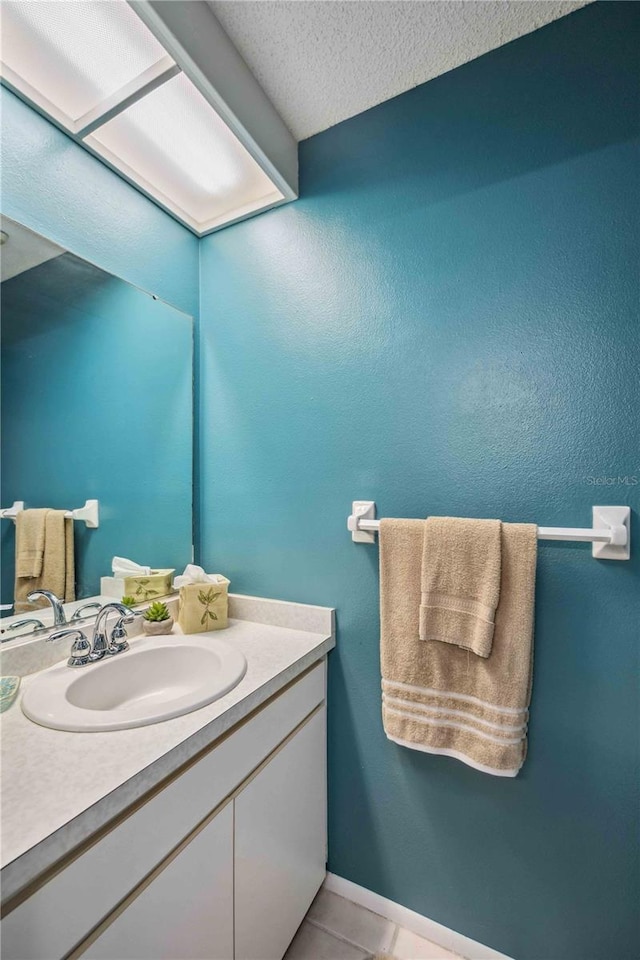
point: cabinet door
(280, 844)
(186, 912)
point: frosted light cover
(175, 146)
(75, 53)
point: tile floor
(337, 929)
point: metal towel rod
(610, 534)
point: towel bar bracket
(361, 511)
(618, 520)
(10, 513)
(610, 535)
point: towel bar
(88, 514)
(610, 534)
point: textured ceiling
(321, 61)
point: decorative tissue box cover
(157, 584)
(204, 606)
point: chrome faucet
(101, 645)
(80, 612)
(59, 618)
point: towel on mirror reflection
(57, 565)
(439, 697)
(30, 542)
(460, 582)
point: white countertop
(58, 788)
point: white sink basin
(158, 678)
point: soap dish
(8, 690)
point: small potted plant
(156, 620)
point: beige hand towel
(438, 697)
(30, 542)
(56, 568)
(460, 582)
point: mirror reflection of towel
(44, 557)
(30, 543)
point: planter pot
(157, 628)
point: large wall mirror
(97, 404)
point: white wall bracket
(618, 521)
(88, 514)
(10, 513)
(362, 510)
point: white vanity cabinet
(221, 863)
(186, 910)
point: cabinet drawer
(63, 911)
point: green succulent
(156, 612)
(129, 601)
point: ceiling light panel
(72, 55)
(178, 149)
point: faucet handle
(37, 624)
(118, 642)
(80, 649)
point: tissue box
(112, 587)
(204, 606)
(157, 584)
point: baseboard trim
(429, 929)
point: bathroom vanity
(203, 836)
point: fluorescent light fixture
(97, 71)
(186, 155)
(76, 54)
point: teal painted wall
(447, 322)
(56, 188)
(97, 404)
